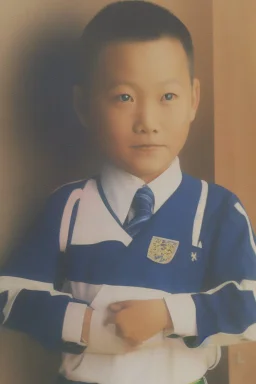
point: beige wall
(234, 29)
(235, 95)
(197, 157)
(33, 161)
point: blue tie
(143, 205)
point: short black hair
(129, 20)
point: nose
(145, 119)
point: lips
(147, 146)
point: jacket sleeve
(30, 301)
(225, 313)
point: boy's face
(142, 103)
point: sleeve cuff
(182, 310)
(73, 323)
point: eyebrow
(170, 81)
(132, 84)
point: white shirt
(120, 187)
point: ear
(80, 105)
(195, 98)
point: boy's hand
(139, 320)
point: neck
(146, 178)
(152, 176)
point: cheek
(181, 114)
(114, 127)
(177, 117)
(177, 123)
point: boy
(160, 267)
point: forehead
(143, 62)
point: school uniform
(197, 252)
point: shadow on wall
(44, 101)
(52, 146)
(56, 150)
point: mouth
(147, 146)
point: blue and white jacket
(197, 252)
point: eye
(168, 97)
(124, 97)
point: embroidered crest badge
(162, 250)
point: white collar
(120, 187)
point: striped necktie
(143, 205)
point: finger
(130, 342)
(119, 332)
(110, 319)
(115, 307)
(119, 305)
